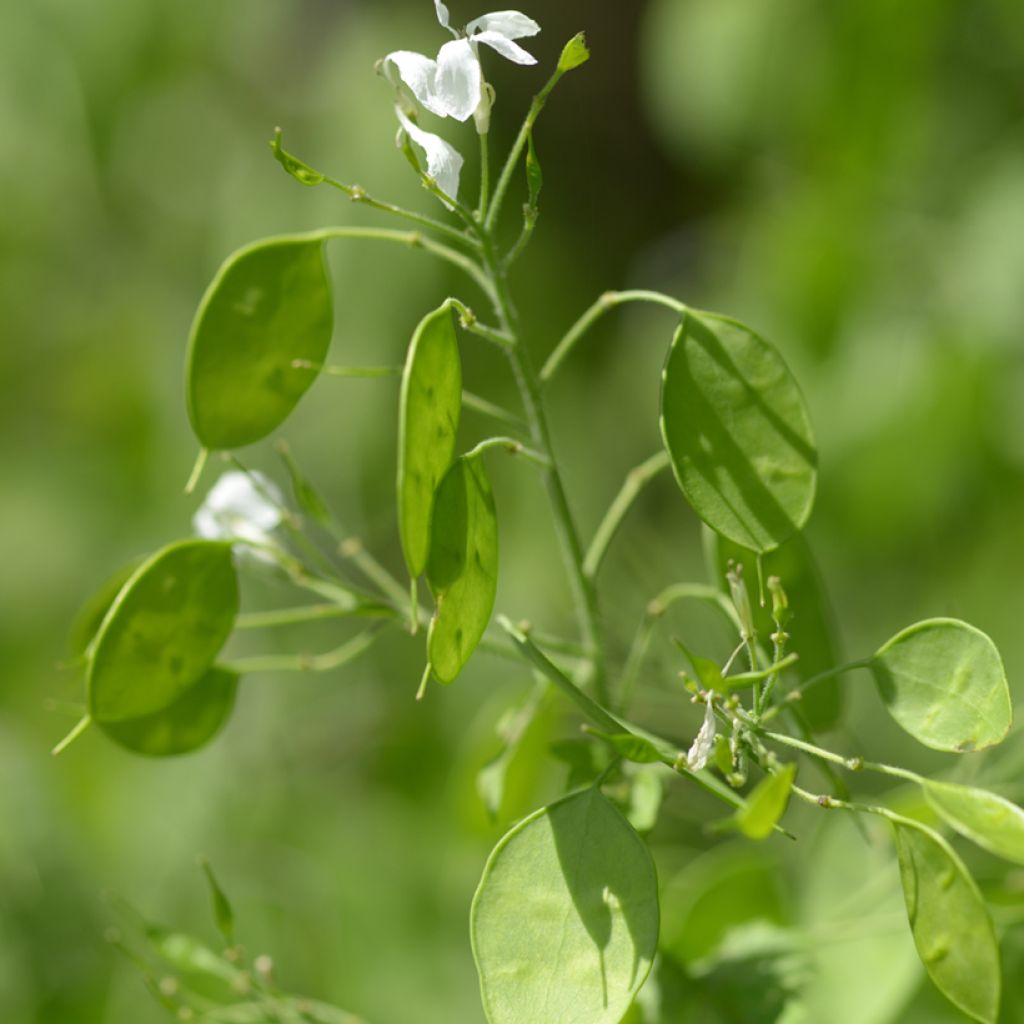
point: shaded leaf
(268, 307)
(708, 674)
(943, 681)
(463, 566)
(630, 746)
(90, 615)
(737, 431)
(985, 818)
(428, 419)
(565, 920)
(951, 926)
(163, 631)
(222, 912)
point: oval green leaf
(943, 681)
(565, 921)
(163, 631)
(766, 804)
(951, 926)
(812, 630)
(462, 568)
(268, 307)
(428, 419)
(185, 725)
(90, 615)
(989, 820)
(737, 431)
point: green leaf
(428, 419)
(709, 675)
(812, 629)
(298, 169)
(737, 431)
(943, 681)
(189, 956)
(565, 921)
(766, 804)
(991, 821)
(186, 724)
(163, 631)
(462, 569)
(268, 307)
(646, 793)
(574, 53)
(90, 615)
(630, 747)
(222, 912)
(951, 926)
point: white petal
(419, 73)
(444, 162)
(457, 84)
(510, 24)
(700, 751)
(442, 14)
(240, 506)
(504, 46)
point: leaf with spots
(267, 309)
(163, 631)
(564, 923)
(943, 681)
(951, 926)
(462, 568)
(428, 419)
(993, 822)
(737, 431)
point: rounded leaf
(952, 929)
(991, 821)
(93, 610)
(737, 431)
(187, 724)
(943, 681)
(163, 631)
(565, 920)
(428, 418)
(462, 569)
(268, 306)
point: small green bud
(780, 602)
(574, 53)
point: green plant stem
(604, 303)
(636, 480)
(342, 654)
(469, 322)
(530, 215)
(513, 447)
(854, 764)
(309, 613)
(79, 728)
(517, 150)
(485, 177)
(486, 408)
(821, 677)
(197, 470)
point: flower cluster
(452, 84)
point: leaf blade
(991, 821)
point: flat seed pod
(187, 724)
(90, 615)
(943, 681)
(565, 921)
(163, 631)
(268, 306)
(462, 569)
(813, 633)
(428, 418)
(737, 431)
(951, 926)
(989, 820)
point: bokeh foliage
(848, 179)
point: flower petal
(240, 506)
(700, 750)
(444, 162)
(419, 74)
(504, 46)
(442, 14)
(510, 24)
(458, 82)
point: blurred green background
(846, 177)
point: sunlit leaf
(428, 419)
(185, 725)
(463, 565)
(163, 631)
(565, 920)
(991, 821)
(812, 628)
(737, 430)
(708, 674)
(951, 926)
(943, 681)
(268, 307)
(766, 804)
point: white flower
(698, 754)
(444, 162)
(245, 507)
(453, 84)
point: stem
(469, 322)
(348, 651)
(197, 470)
(513, 447)
(852, 764)
(636, 480)
(485, 177)
(83, 723)
(486, 408)
(831, 673)
(310, 613)
(605, 302)
(352, 549)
